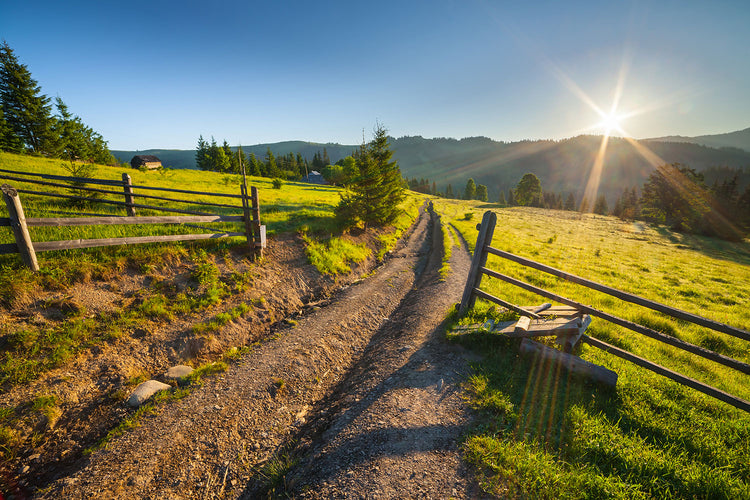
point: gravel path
(364, 392)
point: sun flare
(610, 123)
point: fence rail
(19, 223)
(478, 269)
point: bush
(277, 183)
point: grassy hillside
(544, 433)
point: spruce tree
(481, 193)
(377, 191)
(201, 154)
(471, 190)
(449, 191)
(26, 110)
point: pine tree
(201, 155)
(449, 191)
(481, 193)
(570, 202)
(26, 110)
(8, 140)
(376, 193)
(600, 207)
(471, 190)
(502, 200)
(511, 198)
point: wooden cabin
(149, 162)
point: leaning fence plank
(18, 224)
(117, 221)
(628, 297)
(246, 203)
(45, 246)
(484, 238)
(644, 363)
(675, 342)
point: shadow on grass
(735, 251)
(545, 432)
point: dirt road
(362, 393)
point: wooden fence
(253, 230)
(478, 269)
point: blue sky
(158, 74)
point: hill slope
(739, 139)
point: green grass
(334, 255)
(543, 433)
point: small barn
(149, 162)
(314, 177)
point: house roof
(146, 158)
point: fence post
(20, 230)
(259, 232)
(128, 188)
(247, 216)
(486, 230)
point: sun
(610, 123)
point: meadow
(545, 434)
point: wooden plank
(673, 341)
(505, 304)
(522, 326)
(622, 295)
(259, 240)
(202, 193)
(45, 246)
(569, 342)
(111, 202)
(677, 377)
(544, 327)
(103, 182)
(572, 363)
(96, 221)
(18, 225)
(474, 279)
(5, 221)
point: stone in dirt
(178, 372)
(144, 391)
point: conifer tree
(377, 191)
(449, 191)
(471, 190)
(26, 110)
(481, 193)
(502, 200)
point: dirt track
(364, 392)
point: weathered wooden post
(128, 187)
(486, 230)
(247, 216)
(259, 231)
(20, 230)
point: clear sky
(157, 74)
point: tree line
(28, 124)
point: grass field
(545, 434)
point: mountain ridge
(562, 165)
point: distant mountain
(739, 139)
(562, 166)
